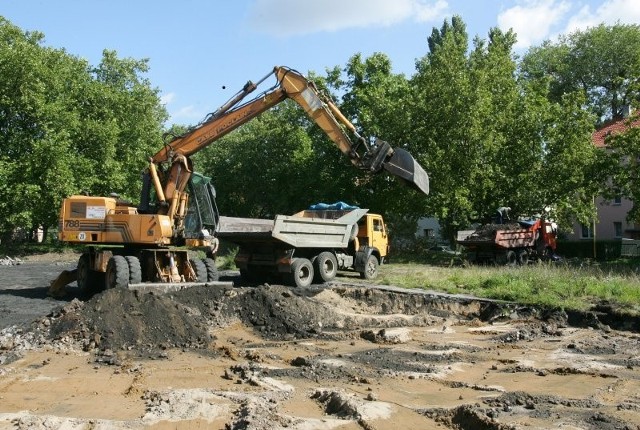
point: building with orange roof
(611, 223)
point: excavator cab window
(202, 214)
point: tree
(602, 62)
(493, 139)
(67, 127)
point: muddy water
(342, 357)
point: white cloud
(533, 20)
(293, 17)
(166, 99)
(609, 12)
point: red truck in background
(510, 244)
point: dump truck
(510, 244)
(127, 244)
(309, 246)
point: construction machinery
(126, 245)
(510, 244)
(311, 245)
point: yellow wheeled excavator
(128, 245)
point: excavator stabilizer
(403, 165)
(57, 287)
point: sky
(201, 52)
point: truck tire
(326, 267)
(511, 258)
(200, 269)
(301, 273)
(523, 257)
(135, 270)
(370, 268)
(117, 275)
(212, 270)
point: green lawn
(565, 285)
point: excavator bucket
(403, 165)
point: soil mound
(121, 319)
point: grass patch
(550, 285)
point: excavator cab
(202, 215)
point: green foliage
(624, 157)
(66, 127)
(603, 63)
(549, 285)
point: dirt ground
(341, 356)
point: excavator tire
(212, 270)
(200, 268)
(117, 275)
(326, 267)
(84, 274)
(135, 270)
(89, 281)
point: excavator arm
(373, 157)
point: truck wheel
(117, 275)
(301, 272)
(200, 269)
(135, 270)
(511, 258)
(523, 258)
(370, 269)
(326, 267)
(212, 270)
(87, 278)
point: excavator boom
(372, 157)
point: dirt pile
(147, 324)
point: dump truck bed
(306, 229)
(503, 236)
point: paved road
(23, 291)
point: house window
(617, 201)
(617, 229)
(587, 233)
